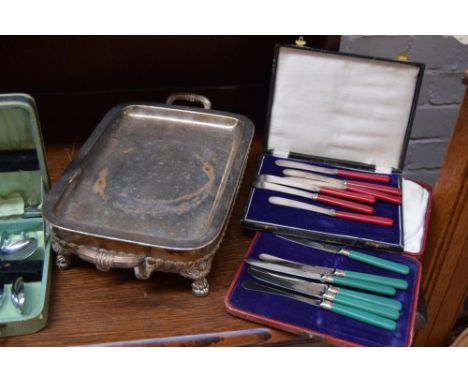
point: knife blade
(314, 196)
(352, 254)
(368, 277)
(358, 315)
(370, 219)
(334, 171)
(323, 292)
(324, 278)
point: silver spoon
(17, 294)
(19, 249)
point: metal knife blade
(312, 244)
(290, 182)
(306, 287)
(252, 285)
(293, 264)
(287, 190)
(284, 269)
(312, 176)
(304, 206)
(305, 166)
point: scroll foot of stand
(200, 287)
(63, 259)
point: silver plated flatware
(19, 249)
(352, 254)
(355, 314)
(315, 196)
(327, 292)
(368, 277)
(362, 218)
(18, 296)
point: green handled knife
(324, 292)
(323, 277)
(368, 277)
(355, 314)
(352, 254)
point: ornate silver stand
(143, 266)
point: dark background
(75, 80)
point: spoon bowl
(17, 294)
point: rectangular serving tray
(159, 178)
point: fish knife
(370, 219)
(352, 254)
(360, 187)
(314, 196)
(323, 291)
(355, 314)
(321, 187)
(367, 277)
(334, 171)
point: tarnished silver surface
(152, 180)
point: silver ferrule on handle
(339, 273)
(327, 279)
(326, 305)
(329, 295)
(343, 252)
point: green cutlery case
(23, 182)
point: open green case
(23, 182)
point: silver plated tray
(151, 189)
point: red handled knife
(348, 185)
(334, 171)
(365, 209)
(378, 220)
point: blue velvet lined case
(337, 110)
(260, 214)
(298, 317)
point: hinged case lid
(23, 165)
(341, 107)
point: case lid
(23, 169)
(342, 107)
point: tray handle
(189, 97)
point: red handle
(363, 175)
(345, 204)
(363, 198)
(395, 199)
(378, 220)
(378, 187)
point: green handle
(379, 263)
(364, 285)
(377, 300)
(368, 318)
(390, 281)
(365, 306)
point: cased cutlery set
(364, 297)
(294, 181)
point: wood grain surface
(88, 307)
(445, 263)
